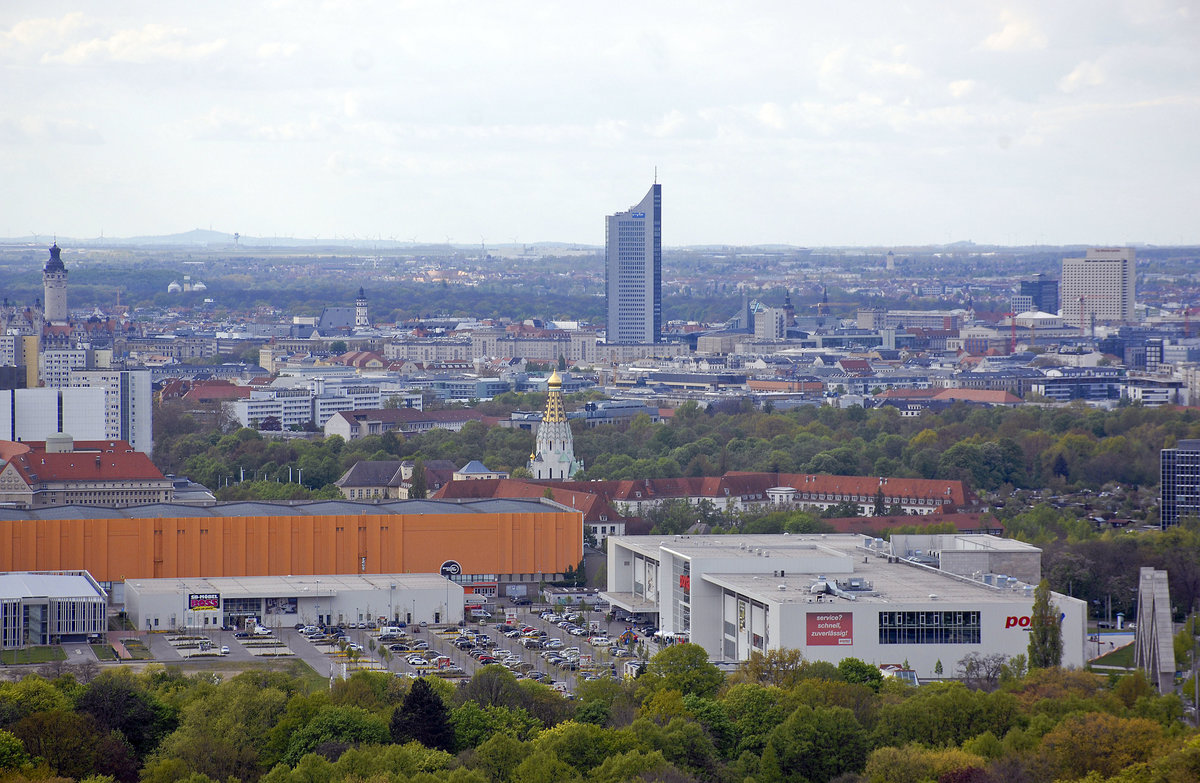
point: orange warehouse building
(491, 540)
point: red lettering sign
(830, 628)
(685, 582)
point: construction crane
(1012, 321)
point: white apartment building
(55, 366)
(299, 407)
(128, 404)
(1100, 287)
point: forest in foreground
(779, 718)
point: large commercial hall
(920, 599)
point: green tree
(337, 727)
(12, 751)
(423, 717)
(118, 703)
(684, 668)
(472, 724)
(815, 743)
(861, 672)
(1045, 630)
(418, 488)
(499, 756)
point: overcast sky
(811, 123)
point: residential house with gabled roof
(391, 479)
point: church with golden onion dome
(553, 454)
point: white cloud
(1017, 34)
(905, 70)
(39, 130)
(275, 50)
(770, 115)
(669, 125)
(1086, 74)
(149, 43)
(961, 88)
(34, 33)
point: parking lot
(546, 651)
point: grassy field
(1122, 656)
(104, 652)
(33, 655)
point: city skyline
(1012, 124)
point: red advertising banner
(830, 628)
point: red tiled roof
(206, 391)
(734, 485)
(592, 505)
(105, 460)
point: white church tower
(554, 451)
(54, 279)
(361, 321)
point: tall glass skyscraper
(633, 271)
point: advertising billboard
(204, 602)
(281, 606)
(830, 628)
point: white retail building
(284, 601)
(923, 599)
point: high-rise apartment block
(633, 271)
(1179, 486)
(1100, 287)
(128, 404)
(37, 414)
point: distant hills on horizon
(207, 238)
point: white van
(390, 630)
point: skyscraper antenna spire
(656, 175)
